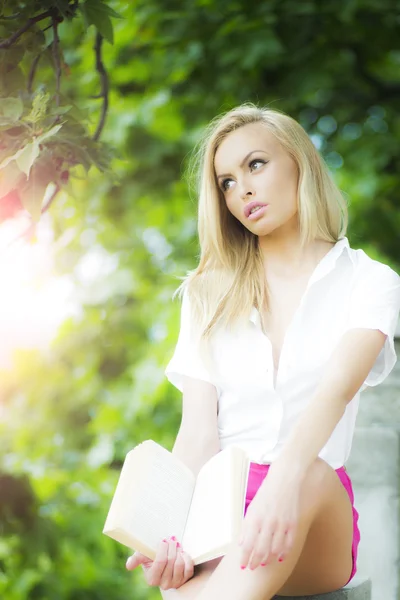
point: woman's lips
(258, 213)
(253, 204)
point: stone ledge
(355, 590)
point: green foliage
(30, 161)
(98, 13)
(70, 415)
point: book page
(212, 518)
(153, 496)
(239, 500)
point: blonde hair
(230, 278)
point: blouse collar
(325, 265)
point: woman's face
(252, 166)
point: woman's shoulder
(372, 268)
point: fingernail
(280, 559)
(128, 562)
(173, 538)
(263, 564)
(242, 566)
(164, 540)
(178, 545)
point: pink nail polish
(280, 559)
(263, 564)
(178, 545)
(173, 538)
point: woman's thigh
(297, 575)
(325, 562)
(190, 589)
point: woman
(282, 326)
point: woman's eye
(224, 184)
(255, 161)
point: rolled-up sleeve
(375, 304)
(186, 359)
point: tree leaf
(39, 106)
(94, 15)
(12, 56)
(103, 25)
(64, 7)
(104, 8)
(12, 81)
(10, 178)
(60, 110)
(27, 156)
(32, 197)
(40, 184)
(11, 108)
(49, 133)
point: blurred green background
(69, 411)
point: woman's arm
(197, 440)
(195, 449)
(346, 371)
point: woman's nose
(247, 192)
(245, 187)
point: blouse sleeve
(186, 359)
(375, 304)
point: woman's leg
(320, 560)
(191, 589)
(331, 532)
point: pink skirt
(257, 474)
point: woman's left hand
(270, 524)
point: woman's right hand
(171, 566)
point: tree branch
(51, 199)
(56, 57)
(32, 72)
(32, 226)
(10, 17)
(104, 86)
(46, 28)
(17, 34)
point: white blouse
(347, 289)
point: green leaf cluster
(44, 135)
(99, 14)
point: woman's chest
(284, 301)
(300, 332)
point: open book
(157, 495)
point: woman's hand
(171, 567)
(271, 519)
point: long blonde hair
(230, 278)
